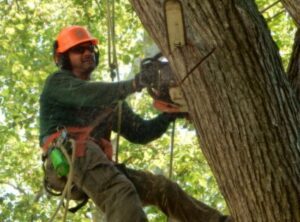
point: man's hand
(147, 76)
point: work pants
(121, 194)
(171, 199)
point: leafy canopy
(28, 31)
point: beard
(83, 66)
(88, 66)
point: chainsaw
(164, 89)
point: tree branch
(293, 7)
(39, 194)
(269, 6)
(13, 186)
(274, 16)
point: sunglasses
(81, 49)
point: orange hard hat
(72, 36)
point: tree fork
(242, 105)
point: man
(87, 111)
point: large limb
(293, 7)
(294, 66)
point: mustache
(89, 58)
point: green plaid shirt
(67, 101)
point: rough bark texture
(294, 66)
(293, 7)
(242, 105)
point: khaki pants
(122, 196)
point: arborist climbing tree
(76, 119)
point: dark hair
(62, 59)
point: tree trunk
(241, 103)
(294, 66)
(293, 7)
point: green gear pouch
(54, 185)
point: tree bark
(294, 66)
(293, 7)
(242, 105)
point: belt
(81, 135)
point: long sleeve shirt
(67, 101)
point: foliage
(28, 30)
(281, 26)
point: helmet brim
(63, 49)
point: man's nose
(87, 51)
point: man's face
(82, 58)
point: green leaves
(281, 26)
(28, 31)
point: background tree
(28, 30)
(243, 107)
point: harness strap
(107, 148)
(79, 206)
(81, 135)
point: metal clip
(62, 138)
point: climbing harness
(67, 189)
(71, 141)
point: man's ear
(56, 59)
(56, 55)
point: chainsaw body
(164, 89)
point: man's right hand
(147, 76)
